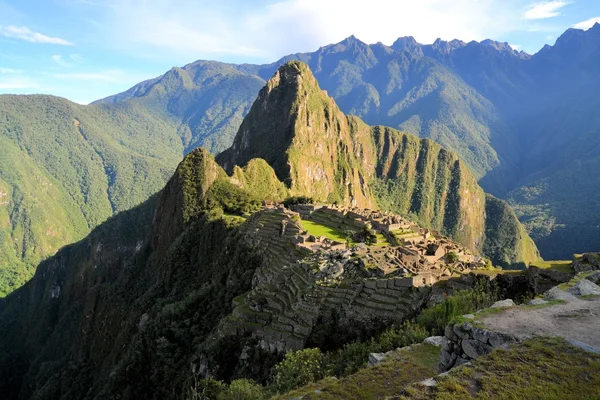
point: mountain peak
(407, 43)
(292, 88)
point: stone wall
(464, 342)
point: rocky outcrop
(587, 262)
(464, 342)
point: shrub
(293, 200)
(409, 333)
(297, 369)
(207, 389)
(354, 356)
(231, 198)
(451, 258)
(483, 294)
(242, 389)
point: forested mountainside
(65, 168)
(144, 305)
(525, 125)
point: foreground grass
(542, 368)
(379, 382)
(316, 229)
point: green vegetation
(258, 178)
(65, 168)
(231, 199)
(544, 368)
(294, 200)
(317, 229)
(207, 99)
(298, 369)
(381, 381)
(435, 318)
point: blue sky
(88, 49)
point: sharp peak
(351, 40)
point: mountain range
(177, 287)
(524, 124)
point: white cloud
(26, 34)
(544, 9)
(587, 24)
(199, 31)
(60, 61)
(516, 46)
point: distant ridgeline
(208, 278)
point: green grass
(579, 277)
(560, 265)
(316, 229)
(381, 240)
(389, 378)
(541, 368)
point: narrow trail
(576, 320)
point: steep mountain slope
(65, 168)
(318, 151)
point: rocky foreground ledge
(570, 311)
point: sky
(85, 50)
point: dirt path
(577, 320)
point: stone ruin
(304, 277)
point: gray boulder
(447, 360)
(497, 339)
(584, 346)
(558, 294)
(434, 341)
(503, 304)
(595, 277)
(463, 331)
(584, 288)
(376, 358)
(475, 348)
